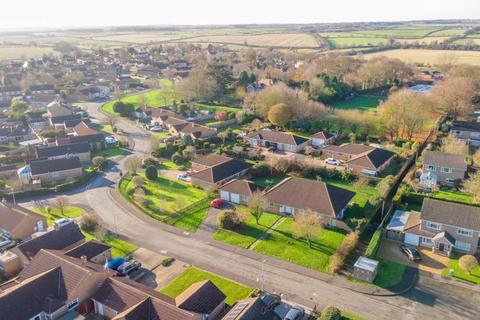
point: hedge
(372, 248)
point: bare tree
(255, 206)
(472, 186)
(452, 145)
(61, 203)
(132, 163)
(308, 226)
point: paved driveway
(430, 262)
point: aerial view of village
(196, 162)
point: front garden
(459, 273)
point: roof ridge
(278, 185)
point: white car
(62, 222)
(183, 177)
(110, 140)
(332, 161)
(156, 129)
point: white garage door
(235, 197)
(411, 239)
(224, 195)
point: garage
(224, 195)
(235, 197)
(411, 239)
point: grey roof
(278, 137)
(221, 171)
(466, 126)
(54, 165)
(61, 150)
(445, 160)
(454, 214)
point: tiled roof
(89, 249)
(445, 160)
(242, 187)
(211, 160)
(12, 216)
(54, 165)
(278, 137)
(201, 297)
(221, 171)
(61, 150)
(454, 214)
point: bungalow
(346, 151)
(258, 308)
(443, 226)
(447, 167)
(467, 131)
(239, 191)
(18, 222)
(57, 114)
(296, 195)
(80, 150)
(279, 140)
(219, 174)
(208, 161)
(192, 130)
(94, 251)
(51, 171)
(202, 298)
(320, 139)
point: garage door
(411, 239)
(235, 198)
(224, 195)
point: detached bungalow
(296, 195)
(51, 171)
(279, 140)
(239, 191)
(219, 174)
(208, 161)
(80, 150)
(193, 130)
(19, 222)
(321, 139)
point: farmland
(19, 52)
(264, 40)
(431, 57)
(347, 42)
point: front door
(441, 247)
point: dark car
(128, 267)
(271, 300)
(295, 313)
(411, 253)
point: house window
(426, 240)
(73, 304)
(464, 246)
(465, 232)
(446, 170)
(431, 167)
(434, 226)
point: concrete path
(265, 234)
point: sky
(21, 14)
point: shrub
(177, 158)
(88, 222)
(372, 248)
(261, 169)
(348, 244)
(330, 313)
(98, 162)
(229, 219)
(138, 181)
(167, 261)
(149, 162)
(124, 109)
(151, 173)
(468, 263)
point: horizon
(54, 14)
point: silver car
(295, 313)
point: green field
(213, 108)
(453, 195)
(249, 232)
(233, 290)
(431, 57)
(112, 152)
(362, 102)
(348, 42)
(460, 274)
(282, 243)
(400, 32)
(165, 95)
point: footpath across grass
(282, 243)
(233, 290)
(249, 232)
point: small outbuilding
(365, 269)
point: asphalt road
(430, 299)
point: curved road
(428, 300)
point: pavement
(430, 299)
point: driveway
(431, 262)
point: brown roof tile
(201, 297)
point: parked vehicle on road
(183, 177)
(411, 253)
(217, 203)
(295, 313)
(332, 161)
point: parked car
(217, 203)
(332, 161)
(128, 267)
(115, 263)
(183, 177)
(272, 149)
(110, 140)
(271, 300)
(62, 222)
(156, 129)
(295, 313)
(411, 253)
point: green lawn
(154, 98)
(269, 181)
(249, 232)
(105, 128)
(119, 247)
(389, 273)
(453, 195)
(169, 165)
(166, 196)
(282, 243)
(363, 102)
(348, 42)
(213, 107)
(162, 135)
(459, 273)
(111, 152)
(233, 290)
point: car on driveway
(411, 253)
(332, 161)
(295, 313)
(183, 177)
(128, 267)
(156, 129)
(217, 203)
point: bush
(124, 109)
(149, 162)
(348, 244)
(330, 313)
(261, 169)
(98, 162)
(371, 251)
(229, 219)
(88, 223)
(468, 263)
(151, 173)
(138, 181)
(177, 158)
(167, 261)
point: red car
(217, 203)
